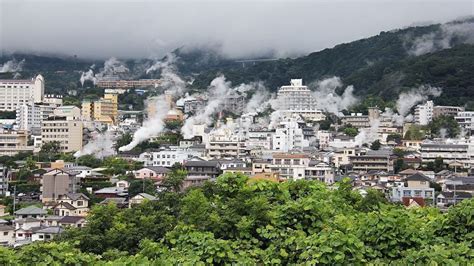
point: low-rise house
(46, 233)
(7, 235)
(74, 204)
(30, 212)
(447, 198)
(413, 202)
(119, 202)
(141, 197)
(242, 170)
(417, 186)
(73, 221)
(320, 171)
(111, 192)
(51, 220)
(152, 172)
(200, 171)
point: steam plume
(328, 100)
(101, 146)
(154, 124)
(444, 38)
(407, 100)
(151, 127)
(218, 90)
(12, 66)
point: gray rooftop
(31, 210)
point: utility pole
(14, 199)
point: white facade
(466, 120)
(424, 113)
(288, 136)
(29, 117)
(169, 157)
(17, 92)
(298, 99)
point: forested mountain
(380, 66)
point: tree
(142, 186)
(444, 126)
(174, 180)
(399, 165)
(89, 160)
(397, 138)
(375, 145)
(439, 164)
(51, 147)
(351, 131)
(123, 140)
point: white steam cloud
(151, 127)
(462, 32)
(155, 124)
(328, 100)
(112, 67)
(12, 66)
(101, 146)
(218, 92)
(407, 100)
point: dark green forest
(240, 221)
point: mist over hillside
(381, 66)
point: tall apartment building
(57, 182)
(3, 180)
(424, 113)
(13, 142)
(103, 110)
(29, 117)
(298, 99)
(65, 127)
(288, 137)
(15, 92)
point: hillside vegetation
(236, 220)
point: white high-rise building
(289, 137)
(29, 117)
(424, 113)
(298, 99)
(16, 92)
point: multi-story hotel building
(15, 92)
(103, 110)
(65, 127)
(298, 99)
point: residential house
(141, 197)
(46, 233)
(73, 221)
(7, 235)
(417, 185)
(152, 172)
(201, 171)
(72, 204)
(447, 198)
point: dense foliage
(237, 220)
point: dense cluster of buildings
(292, 147)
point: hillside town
(59, 160)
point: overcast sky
(105, 28)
